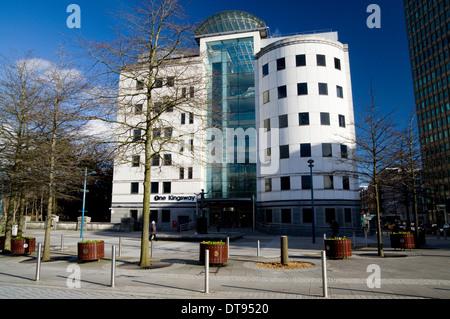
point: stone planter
(23, 245)
(91, 250)
(218, 253)
(338, 248)
(402, 241)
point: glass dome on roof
(229, 21)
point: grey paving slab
(421, 273)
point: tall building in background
(428, 27)
(276, 103)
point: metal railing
(298, 230)
(187, 226)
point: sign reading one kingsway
(174, 198)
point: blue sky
(378, 55)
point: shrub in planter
(402, 240)
(338, 247)
(89, 250)
(23, 245)
(218, 252)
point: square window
(165, 218)
(138, 109)
(323, 89)
(330, 215)
(283, 121)
(337, 63)
(282, 92)
(321, 61)
(139, 85)
(284, 151)
(302, 88)
(154, 187)
(190, 172)
(306, 182)
(339, 91)
(348, 215)
(191, 118)
(268, 184)
(183, 118)
(171, 81)
(134, 188)
(167, 187)
(303, 119)
(346, 182)
(328, 182)
(341, 120)
(167, 159)
(158, 83)
(286, 216)
(300, 60)
(265, 69)
(266, 125)
(326, 150)
(307, 215)
(325, 118)
(281, 64)
(181, 173)
(305, 150)
(344, 151)
(154, 215)
(155, 160)
(136, 161)
(285, 183)
(266, 97)
(137, 135)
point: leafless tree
(148, 67)
(376, 144)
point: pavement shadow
(167, 286)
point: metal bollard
(120, 246)
(324, 274)
(228, 247)
(258, 251)
(206, 271)
(38, 263)
(62, 242)
(113, 266)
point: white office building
(273, 103)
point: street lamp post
(84, 199)
(312, 201)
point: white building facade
(270, 105)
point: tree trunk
(51, 196)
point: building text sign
(174, 198)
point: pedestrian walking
(153, 232)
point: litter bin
(14, 230)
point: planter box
(402, 241)
(23, 246)
(338, 248)
(218, 253)
(91, 251)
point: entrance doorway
(230, 213)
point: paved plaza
(176, 272)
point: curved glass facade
(229, 21)
(232, 106)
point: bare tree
(152, 57)
(19, 95)
(376, 142)
(410, 165)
